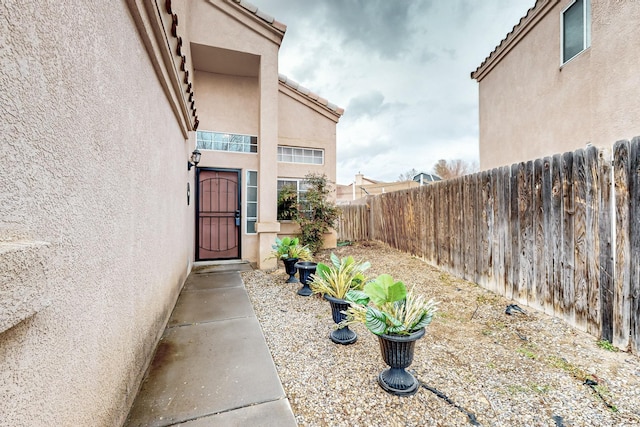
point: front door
(218, 222)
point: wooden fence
(560, 234)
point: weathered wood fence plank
(634, 243)
(605, 250)
(580, 300)
(548, 237)
(539, 243)
(621, 305)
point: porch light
(195, 159)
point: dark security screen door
(218, 222)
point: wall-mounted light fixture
(195, 159)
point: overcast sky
(400, 69)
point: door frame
(197, 211)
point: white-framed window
(252, 202)
(219, 141)
(309, 156)
(575, 26)
(287, 206)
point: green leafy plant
(340, 277)
(287, 203)
(385, 306)
(606, 345)
(290, 247)
(316, 213)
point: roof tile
(308, 94)
(262, 15)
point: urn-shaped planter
(343, 335)
(397, 352)
(305, 269)
(290, 268)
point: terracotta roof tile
(312, 96)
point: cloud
(369, 104)
(400, 68)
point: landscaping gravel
(477, 365)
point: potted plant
(398, 317)
(333, 282)
(290, 251)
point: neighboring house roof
(310, 95)
(526, 23)
(262, 15)
(426, 177)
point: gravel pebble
(495, 369)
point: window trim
(586, 35)
(298, 190)
(228, 133)
(247, 201)
(290, 147)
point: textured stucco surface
(531, 106)
(23, 281)
(94, 165)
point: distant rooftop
(425, 178)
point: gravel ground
(477, 365)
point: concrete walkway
(212, 366)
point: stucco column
(268, 226)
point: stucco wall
(531, 106)
(299, 125)
(94, 165)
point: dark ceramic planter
(290, 268)
(344, 335)
(397, 352)
(305, 269)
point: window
(290, 193)
(576, 29)
(252, 201)
(300, 155)
(226, 142)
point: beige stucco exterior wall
(302, 123)
(531, 106)
(93, 165)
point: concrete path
(212, 366)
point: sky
(400, 69)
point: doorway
(218, 214)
